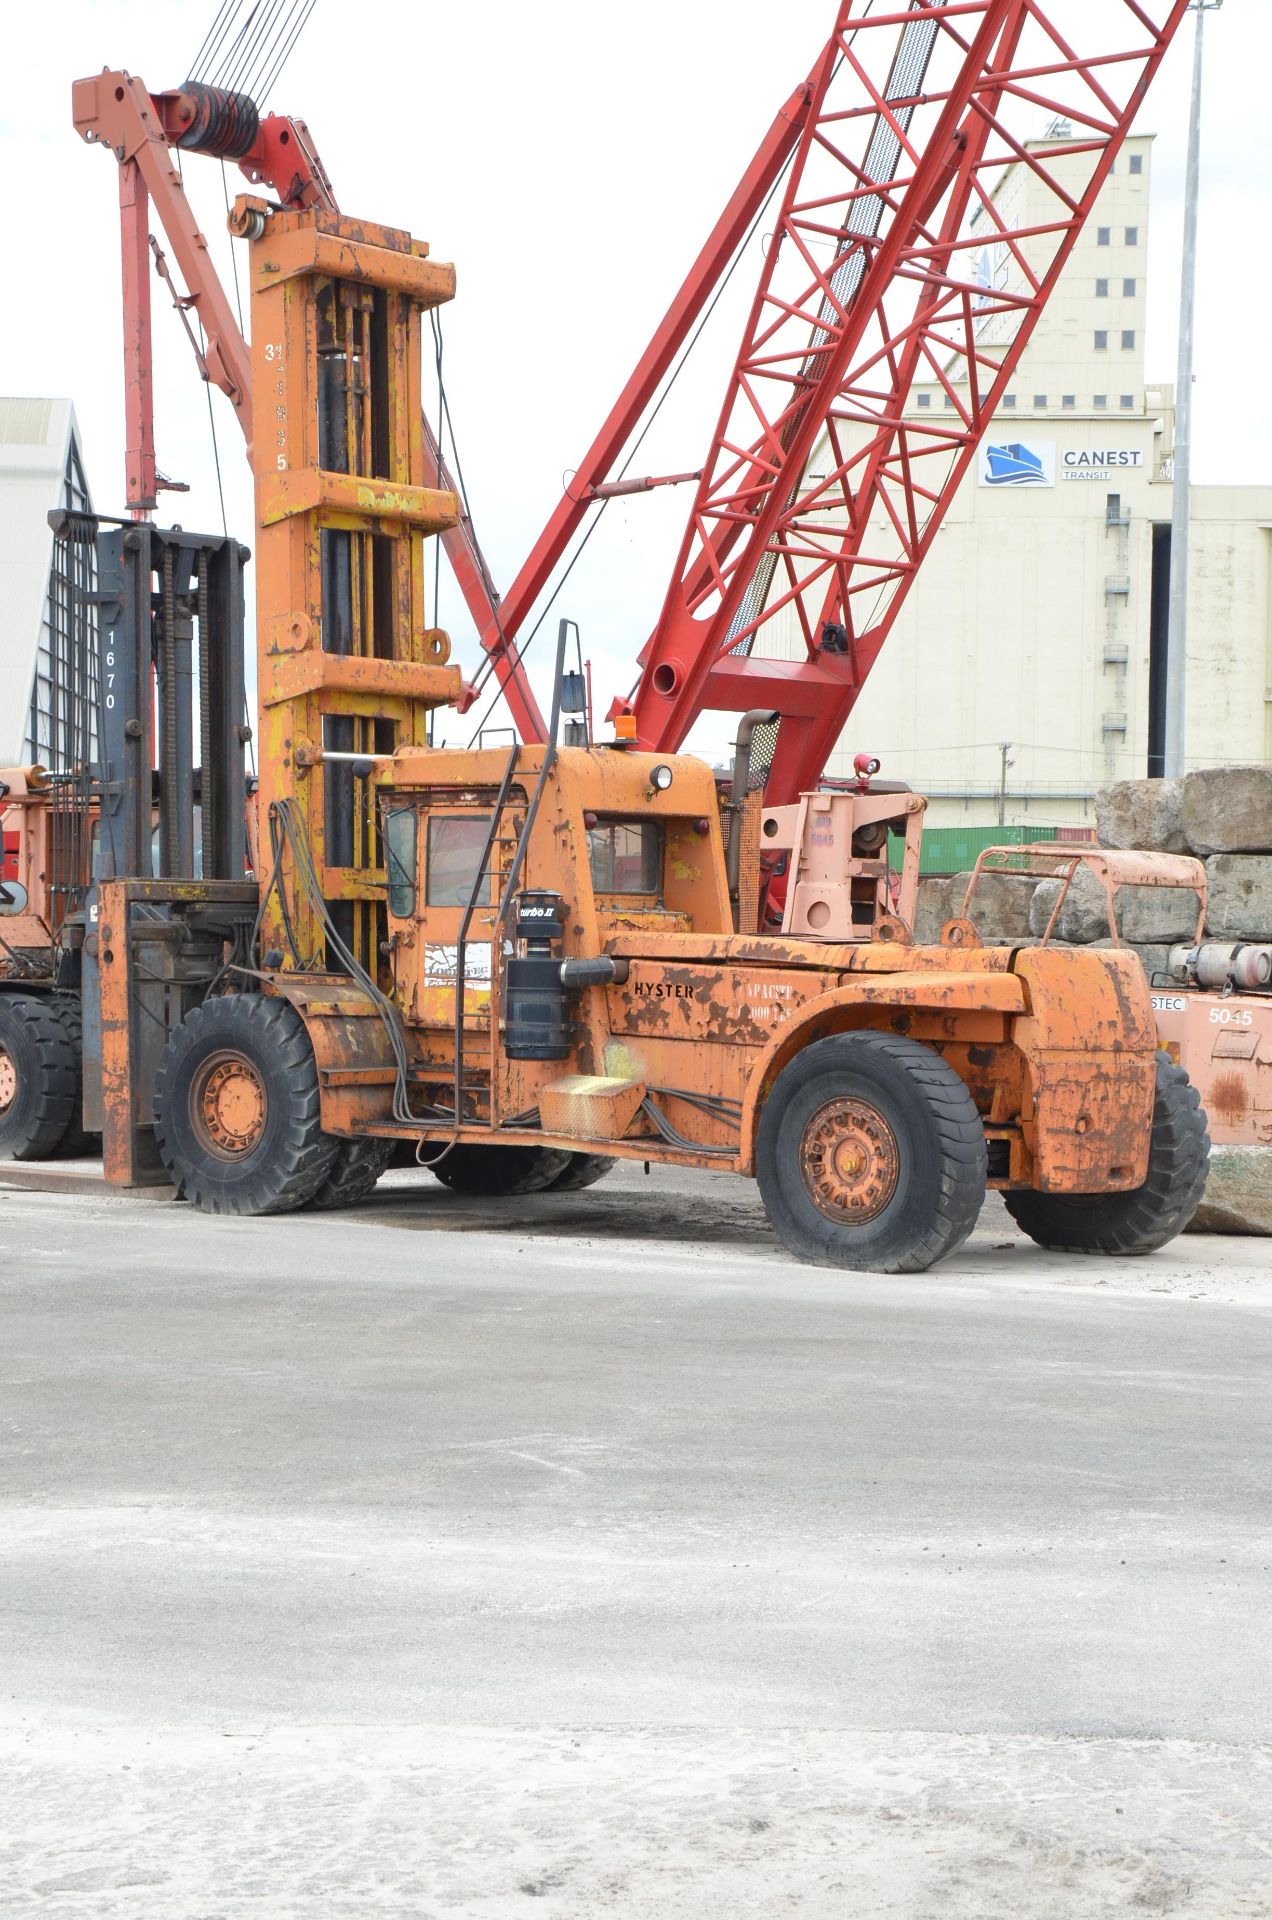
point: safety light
(660, 779)
(625, 726)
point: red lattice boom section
(869, 286)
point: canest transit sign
(1099, 463)
(1018, 463)
(1033, 463)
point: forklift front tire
(871, 1155)
(237, 1116)
(39, 1075)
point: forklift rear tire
(237, 1115)
(76, 1143)
(354, 1171)
(871, 1155)
(38, 1078)
(582, 1170)
(499, 1172)
(1146, 1218)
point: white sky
(570, 158)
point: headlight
(660, 779)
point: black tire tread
(306, 1152)
(29, 1019)
(1148, 1217)
(583, 1170)
(76, 1142)
(353, 1174)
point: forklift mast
(348, 667)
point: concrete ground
(609, 1563)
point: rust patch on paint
(1229, 1096)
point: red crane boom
(867, 287)
(787, 581)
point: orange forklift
(527, 964)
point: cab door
(434, 857)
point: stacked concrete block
(1222, 815)
(1239, 902)
(932, 910)
(1227, 810)
(1084, 916)
(1147, 814)
(1000, 906)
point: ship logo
(1014, 464)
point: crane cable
(663, 397)
(249, 43)
(484, 675)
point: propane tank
(537, 1003)
(1216, 964)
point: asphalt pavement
(588, 1556)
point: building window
(1103, 236)
(1128, 402)
(1069, 400)
(1132, 236)
(1128, 289)
(1101, 401)
(949, 399)
(1040, 399)
(1137, 163)
(1101, 340)
(1128, 339)
(925, 399)
(1009, 399)
(1101, 289)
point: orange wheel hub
(850, 1161)
(8, 1081)
(228, 1105)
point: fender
(834, 1012)
(351, 1047)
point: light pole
(1003, 751)
(1177, 622)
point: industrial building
(1027, 668)
(41, 468)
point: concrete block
(1239, 906)
(1142, 813)
(1084, 916)
(1228, 810)
(1147, 916)
(1000, 906)
(1154, 914)
(1155, 958)
(932, 910)
(1238, 1196)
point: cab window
(400, 828)
(626, 856)
(456, 846)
